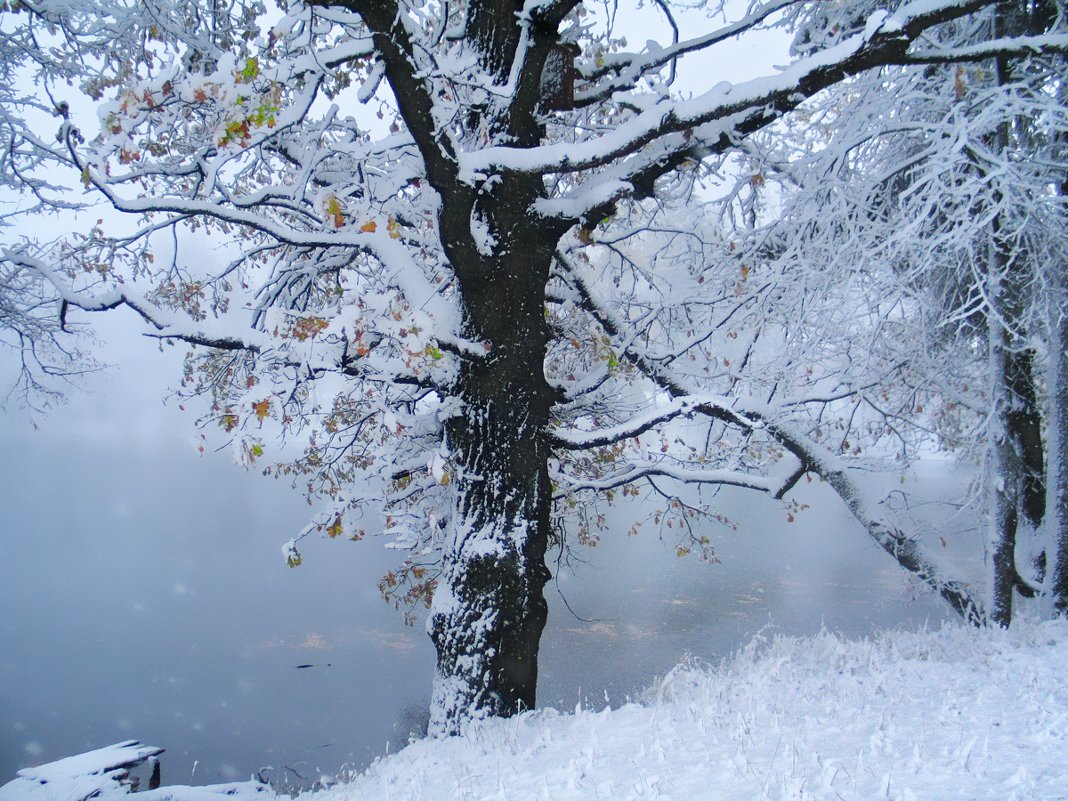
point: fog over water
(143, 594)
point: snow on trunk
(1057, 448)
(489, 610)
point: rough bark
(1057, 518)
(489, 611)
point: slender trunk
(1003, 487)
(1012, 424)
(1057, 416)
(1016, 470)
(1057, 518)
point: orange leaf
(369, 227)
(333, 209)
(262, 408)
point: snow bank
(953, 714)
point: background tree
(942, 177)
(469, 314)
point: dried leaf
(335, 528)
(333, 209)
(394, 228)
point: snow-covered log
(106, 773)
(100, 773)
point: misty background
(143, 594)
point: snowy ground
(948, 715)
(953, 714)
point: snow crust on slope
(957, 713)
(952, 714)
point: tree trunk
(489, 609)
(1003, 487)
(1016, 469)
(1057, 411)
(1057, 518)
(1017, 466)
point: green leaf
(251, 70)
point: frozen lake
(143, 594)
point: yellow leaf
(394, 228)
(334, 529)
(369, 227)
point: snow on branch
(1006, 47)
(620, 72)
(636, 472)
(772, 421)
(583, 440)
(716, 118)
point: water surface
(143, 594)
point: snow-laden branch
(166, 326)
(217, 334)
(396, 44)
(1006, 47)
(812, 457)
(632, 473)
(623, 71)
(717, 117)
(673, 409)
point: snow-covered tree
(942, 175)
(495, 299)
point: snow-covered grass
(949, 714)
(935, 715)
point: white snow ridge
(958, 713)
(952, 714)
